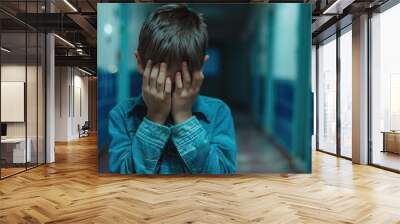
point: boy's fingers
(161, 77)
(198, 78)
(178, 81)
(186, 76)
(153, 76)
(146, 74)
(168, 87)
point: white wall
(61, 103)
(17, 73)
(71, 93)
(80, 94)
(33, 127)
(14, 72)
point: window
(327, 96)
(385, 89)
(346, 93)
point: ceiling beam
(82, 61)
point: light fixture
(326, 11)
(79, 51)
(84, 71)
(337, 7)
(64, 40)
(70, 5)
(5, 50)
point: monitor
(3, 129)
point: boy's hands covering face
(157, 88)
(156, 92)
(185, 93)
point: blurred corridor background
(259, 65)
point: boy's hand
(156, 92)
(185, 93)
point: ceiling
(76, 22)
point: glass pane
(23, 89)
(346, 94)
(41, 98)
(313, 88)
(31, 86)
(13, 87)
(386, 89)
(327, 97)
(31, 100)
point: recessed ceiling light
(84, 71)
(64, 40)
(70, 5)
(5, 50)
(337, 7)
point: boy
(169, 129)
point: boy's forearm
(192, 143)
(147, 149)
(202, 152)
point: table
(391, 141)
(13, 150)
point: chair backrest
(86, 125)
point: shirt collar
(199, 108)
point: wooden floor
(71, 191)
(5, 172)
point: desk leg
(384, 143)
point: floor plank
(71, 191)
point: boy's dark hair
(174, 33)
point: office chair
(84, 130)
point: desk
(391, 141)
(15, 148)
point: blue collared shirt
(203, 144)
